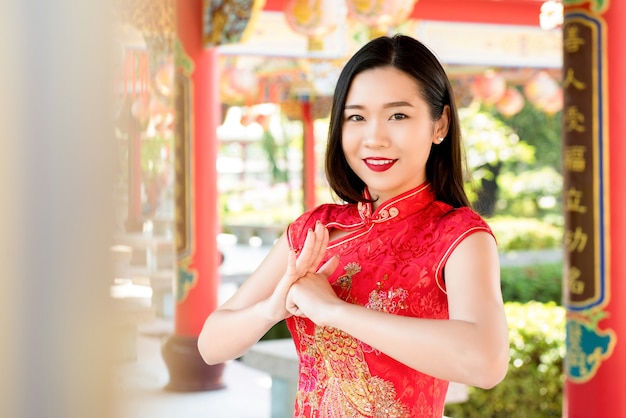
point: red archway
(508, 12)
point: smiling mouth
(379, 164)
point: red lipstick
(379, 164)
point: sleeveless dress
(391, 260)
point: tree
(492, 148)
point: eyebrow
(385, 106)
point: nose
(375, 136)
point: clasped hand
(304, 289)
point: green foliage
(539, 130)
(527, 170)
(488, 142)
(278, 331)
(525, 233)
(530, 193)
(536, 282)
(534, 384)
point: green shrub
(278, 330)
(534, 384)
(535, 282)
(525, 233)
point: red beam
(508, 12)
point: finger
(329, 266)
(295, 311)
(308, 250)
(290, 305)
(291, 262)
(290, 274)
(321, 241)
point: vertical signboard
(586, 278)
(594, 360)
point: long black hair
(445, 165)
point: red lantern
(314, 19)
(553, 103)
(544, 92)
(511, 102)
(489, 87)
(380, 15)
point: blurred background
(87, 184)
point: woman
(395, 292)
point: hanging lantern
(553, 103)
(380, 15)
(544, 92)
(489, 87)
(511, 102)
(314, 19)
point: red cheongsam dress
(391, 260)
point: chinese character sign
(585, 200)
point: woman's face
(387, 131)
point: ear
(442, 125)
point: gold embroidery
(351, 390)
(390, 301)
(335, 379)
(345, 281)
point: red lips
(379, 164)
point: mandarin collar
(396, 207)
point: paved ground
(141, 383)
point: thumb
(329, 266)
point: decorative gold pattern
(345, 280)
(389, 301)
(351, 390)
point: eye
(355, 118)
(398, 116)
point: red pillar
(197, 118)
(594, 64)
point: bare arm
(260, 302)
(472, 347)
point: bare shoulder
(473, 275)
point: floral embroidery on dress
(344, 282)
(389, 301)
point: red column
(197, 118)
(594, 64)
